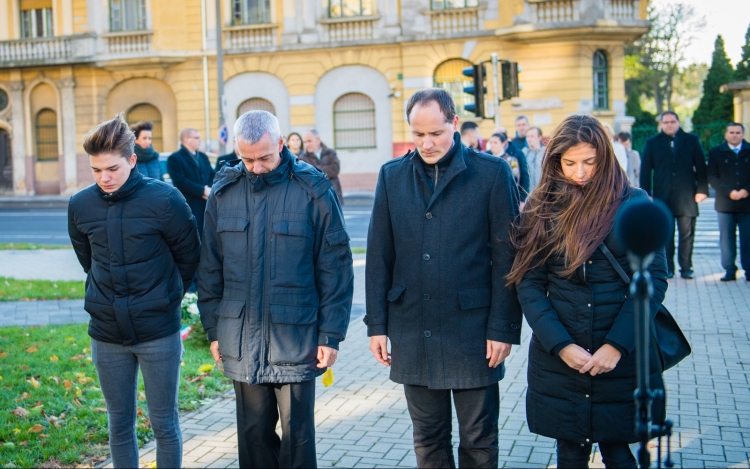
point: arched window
(256, 104)
(46, 135)
(354, 122)
(601, 80)
(147, 112)
(449, 77)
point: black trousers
(477, 411)
(576, 456)
(686, 232)
(728, 224)
(258, 409)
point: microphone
(642, 226)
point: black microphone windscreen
(642, 226)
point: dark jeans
(576, 456)
(686, 231)
(477, 411)
(258, 410)
(728, 224)
(117, 367)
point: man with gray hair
(275, 290)
(522, 125)
(325, 159)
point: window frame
(118, 26)
(373, 129)
(341, 6)
(600, 79)
(240, 7)
(446, 6)
(30, 23)
(38, 141)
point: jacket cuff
(327, 341)
(508, 337)
(558, 348)
(623, 351)
(211, 335)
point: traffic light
(478, 89)
(509, 72)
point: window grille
(256, 104)
(453, 4)
(46, 136)
(601, 81)
(448, 76)
(354, 122)
(147, 112)
(251, 11)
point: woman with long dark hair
(581, 373)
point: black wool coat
(590, 309)
(191, 180)
(436, 262)
(139, 247)
(727, 172)
(679, 171)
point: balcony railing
(355, 28)
(554, 11)
(248, 36)
(48, 50)
(128, 42)
(457, 20)
(622, 10)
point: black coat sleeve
(181, 235)
(523, 180)
(211, 272)
(647, 165)
(720, 186)
(504, 323)
(176, 170)
(80, 241)
(381, 258)
(209, 168)
(699, 161)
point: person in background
(323, 158)
(673, 170)
(470, 135)
(729, 174)
(582, 360)
(148, 159)
(620, 152)
(191, 173)
(522, 125)
(634, 159)
(137, 240)
(230, 159)
(534, 153)
(498, 147)
(294, 144)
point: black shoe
(687, 274)
(729, 277)
(670, 274)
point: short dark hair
(666, 113)
(538, 129)
(736, 124)
(438, 95)
(112, 136)
(468, 125)
(623, 136)
(503, 138)
(139, 127)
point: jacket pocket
(294, 335)
(231, 232)
(338, 252)
(395, 293)
(292, 253)
(472, 298)
(229, 328)
(474, 304)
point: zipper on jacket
(437, 173)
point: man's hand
(497, 352)
(206, 192)
(216, 352)
(575, 356)
(700, 197)
(604, 360)
(743, 194)
(379, 348)
(735, 195)
(326, 356)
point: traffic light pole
(496, 88)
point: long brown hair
(563, 218)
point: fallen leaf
(141, 396)
(77, 357)
(54, 358)
(32, 349)
(77, 402)
(205, 368)
(24, 443)
(33, 382)
(99, 409)
(197, 378)
(23, 367)
(66, 383)
(23, 396)
(42, 435)
(38, 428)
(70, 339)
(3, 354)
(9, 444)
(20, 412)
(86, 350)
(56, 379)
(77, 392)
(16, 431)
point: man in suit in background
(679, 180)
(192, 174)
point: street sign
(223, 134)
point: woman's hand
(574, 356)
(604, 360)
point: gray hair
(522, 117)
(251, 126)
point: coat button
(428, 216)
(514, 326)
(587, 440)
(589, 305)
(426, 297)
(591, 262)
(427, 333)
(426, 257)
(587, 396)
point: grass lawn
(31, 246)
(51, 407)
(359, 250)
(26, 290)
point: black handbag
(672, 345)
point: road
(50, 225)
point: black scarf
(145, 154)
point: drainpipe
(220, 70)
(205, 77)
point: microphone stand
(641, 289)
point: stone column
(66, 85)
(19, 140)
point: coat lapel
(454, 169)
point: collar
(445, 161)
(130, 186)
(732, 147)
(188, 151)
(282, 171)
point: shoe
(687, 274)
(670, 274)
(729, 277)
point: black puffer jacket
(591, 309)
(139, 246)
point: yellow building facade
(344, 67)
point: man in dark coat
(323, 158)
(228, 159)
(275, 290)
(729, 174)
(679, 180)
(191, 173)
(437, 253)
